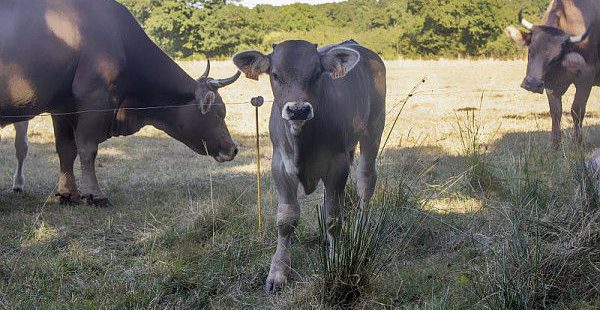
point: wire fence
(395, 99)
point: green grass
(520, 233)
(166, 245)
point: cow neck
(159, 79)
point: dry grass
(164, 246)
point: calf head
(202, 126)
(296, 69)
(552, 52)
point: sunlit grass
(454, 240)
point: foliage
(392, 28)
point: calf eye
(277, 78)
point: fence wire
(396, 99)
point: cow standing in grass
(90, 63)
(21, 148)
(563, 51)
(327, 100)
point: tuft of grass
(545, 252)
(357, 254)
(480, 174)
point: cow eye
(277, 78)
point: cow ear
(252, 63)
(339, 61)
(206, 102)
(573, 62)
(520, 38)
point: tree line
(392, 28)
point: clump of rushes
(357, 256)
(479, 172)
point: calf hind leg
(366, 172)
(21, 147)
(335, 184)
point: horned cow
(562, 51)
(95, 69)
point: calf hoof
(275, 282)
(98, 202)
(17, 190)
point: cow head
(550, 50)
(296, 69)
(202, 126)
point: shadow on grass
(176, 239)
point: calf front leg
(67, 152)
(288, 215)
(21, 148)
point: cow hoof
(68, 199)
(275, 282)
(17, 190)
(98, 202)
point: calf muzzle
(297, 114)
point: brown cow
(563, 51)
(91, 57)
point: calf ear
(206, 101)
(339, 61)
(252, 63)
(573, 62)
(520, 38)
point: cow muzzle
(227, 156)
(533, 85)
(297, 114)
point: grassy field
(486, 214)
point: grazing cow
(563, 51)
(21, 148)
(327, 100)
(91, 57)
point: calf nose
(236, 151)
(297, 111)
(533, 85)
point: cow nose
(236, 151)
(298, 111)
(533, 85)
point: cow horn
(218, 83)
(207, 70)
(524, 22)
(581, 38)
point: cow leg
(67, 152)
(21, 147)
(578, 109)
(335, 184)
(288, 214)
(87, 147)
(555, 102)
